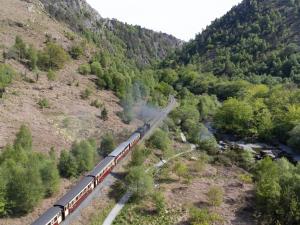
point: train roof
(47, 216)
(119, 149)
(133, 136)
(74, 191)
(106, 161)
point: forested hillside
(141, 45)
(257, 37)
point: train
(70, 201)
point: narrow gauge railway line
(65, 206)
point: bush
(76, 51)
(215, 196)
(67, 165)
(104, 114)
(86, 93)
(84, 69)
(53, 57)
(203, 217)
(107, 145)
(96, 104)
(6, 76)
(160, 140)
(84, 153)
(96, 68)
(32, 57)
(181, 170)
(51, 75)
(32, 176)
(44, 103)
(159, 201)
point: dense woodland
(242, 73)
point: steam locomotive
(70, 201)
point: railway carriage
(121, 151)
(102, 170)
(52, 216)
(75, 196)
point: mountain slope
(257, 37)
(142, 45)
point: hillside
(257, 37)
(69, 117)
(141, 45)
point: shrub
(86, 93)
(104, 114)
(6, 76)
(32, 57)
(76, 51)
(44, 103)
(215, 196)
(51, 75)
(84, 69)
(203, 217)
(159, 201)
(160, 140)
(52, 57)
(96, 103)
(96, 68)
(181, 170)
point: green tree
(235, 116)
(85, 155)
(294, 140)
(23, 139)
(32, 56)
(160, 140)
(181, 170)
(50, 177)
(67, 165)
(96, 68)
(6, 76)
(24, 188)
(76, 51)
(52, 57)
(84, 69)
(20, 47)
(108, 144)
(139, 182)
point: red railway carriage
(120, 152)
(75, 196)
(52, 216)
(102, 170)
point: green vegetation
(84, 69)
(43, 103)
(139, 182)
(51, 75)
(215, 196)
(19, 196)
(277, 192)
(86, 93)
(6, 76)
(104, 114)
(203, 217)
(76, 51)
(53, 57)
(180, 169)
(80, 159)
(108, 144)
